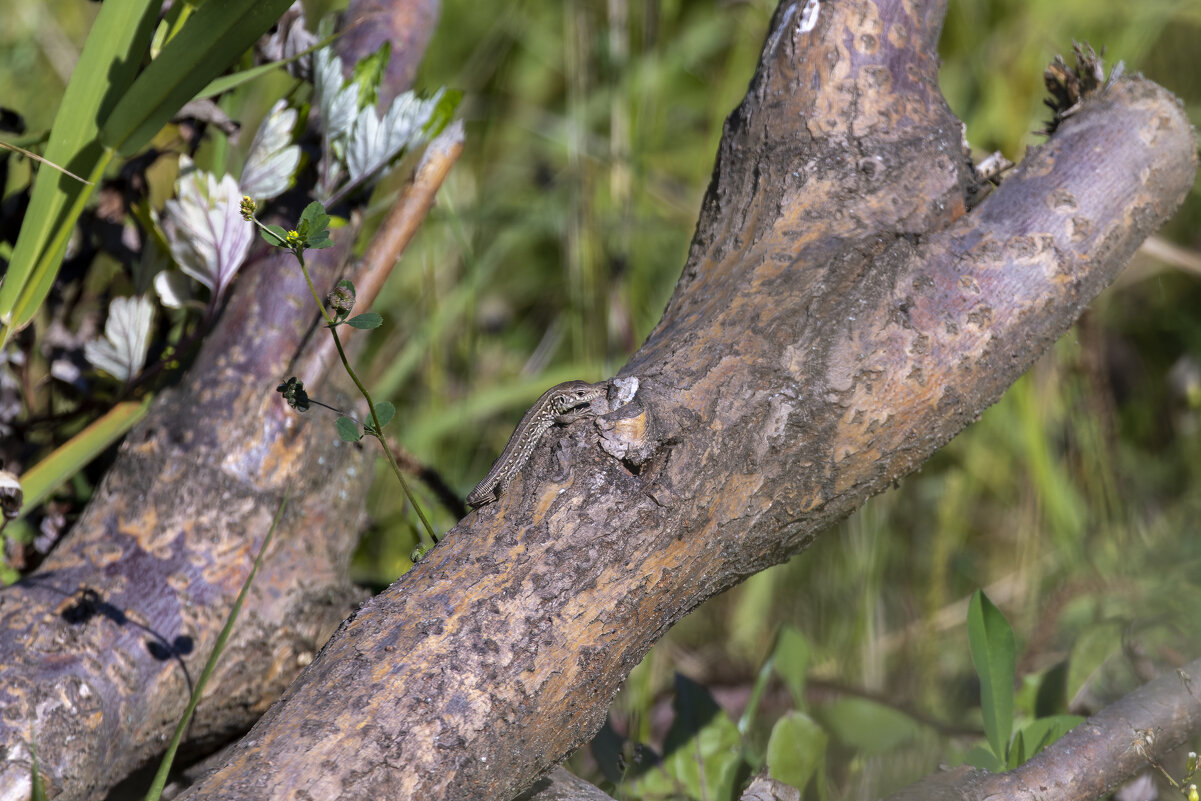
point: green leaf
(702, 754)
(984, 759)
(313, 219)
(789, 659)
(1038, 734)
(278, 236)
(1091, 653)
(796, 749)
(313, 226)
(792, 655)
(866, 726)
(385, 411)
(368, 73)
(366, 321)
(348, 430)
(210, 40)
(1017, 751)
(73, 455)
(235, 79)
(1052, 696)
(994, 654)
(443, 112)
(110, 59)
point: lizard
(559, 405)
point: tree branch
(1091, 760)
(100, 646)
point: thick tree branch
(101, 645)
(117, 623)
(838, 320)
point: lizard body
(559, 405)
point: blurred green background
(591, 133)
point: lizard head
(575, 394)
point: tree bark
(102, 643)
(839, 318)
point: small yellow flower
(248, 206)
(293, 238)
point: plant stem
(427, 536)
(164, 768)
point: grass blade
(106, 67)
(164, 768)
(73, 455)
(37, 791)
(29, 154)
(233, 80)
(210, 40)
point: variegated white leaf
(173, 288)
(337, 101)
(291, 36)
(273, 158)
(122, 351)
(375, 142)
(204, 228)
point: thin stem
(428, 536)
(335, 410)
(164, 768)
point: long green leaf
(209, 41)
(72, 456)
(44, 270)
(994, 653)
(236, 79)
(106, 67)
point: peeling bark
(840, 317)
